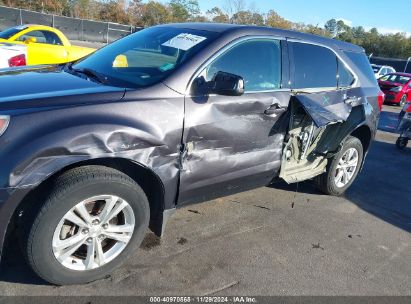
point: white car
(12, 55)
(381, 70)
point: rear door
(323, 81)
(235, 142)
(322, 86)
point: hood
(386, 85)
(50, 86)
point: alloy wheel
(346, 167)
(93, 232)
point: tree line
(143, 14)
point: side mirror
(30, 40)
(227, 84)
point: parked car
(12, 55)
(396, 87)
(95, 152)
(381, 70)
(44, 45)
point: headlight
(396, 89)
(4, 123)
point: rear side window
(363, 64)
(257, 61)
(314, 66)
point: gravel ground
(278, 240)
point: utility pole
(406, 65)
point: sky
(387, 16)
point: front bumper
(10, 198)
(392, 97)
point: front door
(235, 142)
(47, 48)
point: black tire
(326, 181)
(403, 100)
(70, 188)
(401, 143)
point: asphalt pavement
(278, 240)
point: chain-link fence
(73, 28)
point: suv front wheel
(342, 169)
(91, 221)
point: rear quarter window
(345, 77)
(362, 63)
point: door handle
(275, 108)
(351, 100)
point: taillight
(381, 97)
(18, 60)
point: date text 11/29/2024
(204, 299)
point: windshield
(396, 78)
(146, 57)
(6, 34)
(376, 68)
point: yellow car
(44, 44)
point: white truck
(12, 55)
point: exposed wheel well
(363, 133)
(148, 181)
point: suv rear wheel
(342, 169)
(91, 221)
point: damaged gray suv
(96, 151)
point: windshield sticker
(184, 41)
(167, 67)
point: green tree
(247, 17)
(155, 13)
(135, 10)
(275, 20)
(216, 15)
(184, 10)
(114, 11)
(331, 27)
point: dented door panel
(230, 139)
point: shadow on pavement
(388, 121)
(14, 268)
(381, 189)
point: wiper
(88, 72)
(91, 73)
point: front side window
(46, 37)
(314, 67)
(146, 57)
(257, 61)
